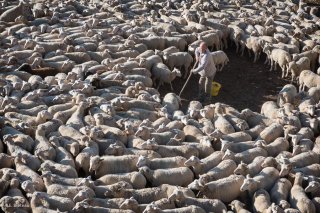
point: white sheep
(162, 73)
(220, 59)
(181, 176)
(296, 67)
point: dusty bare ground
(244, 84)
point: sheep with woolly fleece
(311, 54)
(51, 201)
(110, 164)
(252, 43)
(251, 169)
(280, 192)
(179, 60)
(245, 156)
(220, 59)
(287, 94)
(170, 151)
(59, 169)
(261, 201)
(161, 163)
(296, 67)
(148, 195)
(162, 73)
(225, 189)
(224, 169)
(209, 205)
(181, 176)
(204, 165)
(264, 180)
(238, 206)
(298, 198)
(278, 56)
(308, 79)
(271, 133)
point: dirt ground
(244, 84)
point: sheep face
(285, 169)
(130, 204)
(142, 161)
(193, 161)
(94, 163)
(242, 169)
(313, 186)
(248, 184)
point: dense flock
(84, 129)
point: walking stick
(185, 84)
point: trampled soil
(244, 84)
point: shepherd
(207, 70)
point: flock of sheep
(83, 128)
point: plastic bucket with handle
(215, 88)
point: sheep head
(313, 186)
(28, 187)
(248, 184)
(130, 204)
(193, 161)
(195, 185)
(295, 139)
(150, 144)
(177, 194)
(142, 161)
(95, 162)
(285, 167)
(242, 169)
(228, 155)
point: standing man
(206, 69)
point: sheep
(237, 147)
(59, 169)
(238, 206)
(252, 43)
(225, 189)
(308, 79)
(252, 169)
(280, 192)
(204, 165)
(136, 179)
(209, 205)
(178, 60)
(105, 162)
(220, 59)
(297, 67)
(222, 124)
(148, 195)
(51, 201)
(278, 56)
(170, 151)
(168, 176)
(161, 72)
(85, 207)
(75, 193)
(25, 173)
(261, 200)
(227, 166)
(308, 158)
(276, 147)
(246, 156)
(271, 133)
(298, 198)
(264, 180)
(161, 163)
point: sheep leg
(171, 86)
(255, 58)
(225, 43)
(271, 65)
(237, 45)
(221, 67)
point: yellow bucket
(215, 88)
